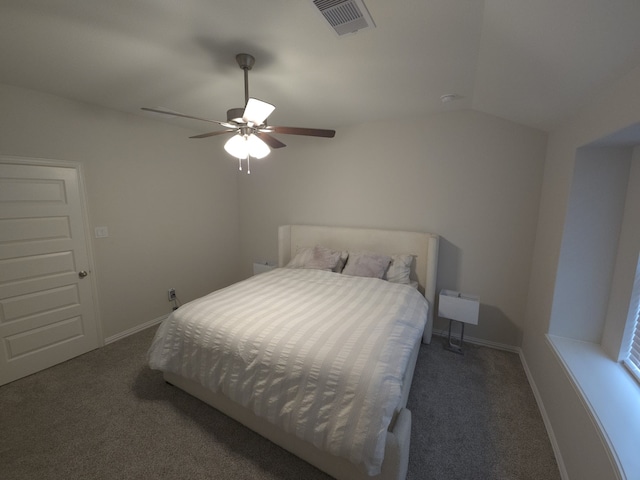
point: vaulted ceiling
(532, 62)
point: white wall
(583, 452)
(177, 218)
(590, 242)
(617, 328)
(472, 178)
(170, 203)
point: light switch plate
(102, 232)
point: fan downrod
(245, 62)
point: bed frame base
(396, 454)
(396, 459)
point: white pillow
(341, 262)
(399, 269)
(366, 264)
(317, 257)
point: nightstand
(460, 307)
(261, 267)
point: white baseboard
(545, 418)
(136, 329)
(480, 341)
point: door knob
(82, 273)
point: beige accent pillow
(318, 257)
(400, 269)
(366, 264)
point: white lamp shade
(240, 146)
(257, 148)
(237, 147)
(257, 111)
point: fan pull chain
(248, 164)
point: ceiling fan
(252, 136)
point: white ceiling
(533, 62)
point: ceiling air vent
(345, 16)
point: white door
(46, 299)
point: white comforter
(319, 354)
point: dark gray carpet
(105, 415)
(475, 417)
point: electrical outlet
(172, 294)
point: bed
(318, 361)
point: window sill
(611, 395)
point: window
(633, 359)
(631, 338)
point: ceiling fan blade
(273, 142)
(212, 134)
(176, 114)
(257, 111)
(312, 132)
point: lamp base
(455, 347)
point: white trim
(545, 418)
(536, 393)
(84, 204)
(610, 377)
(481, 342)
(45, 162)
(134, 330)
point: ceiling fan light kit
(244, 145)
(252, 134)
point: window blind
(633, 359)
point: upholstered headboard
(424, 246)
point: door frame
(77, 166)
